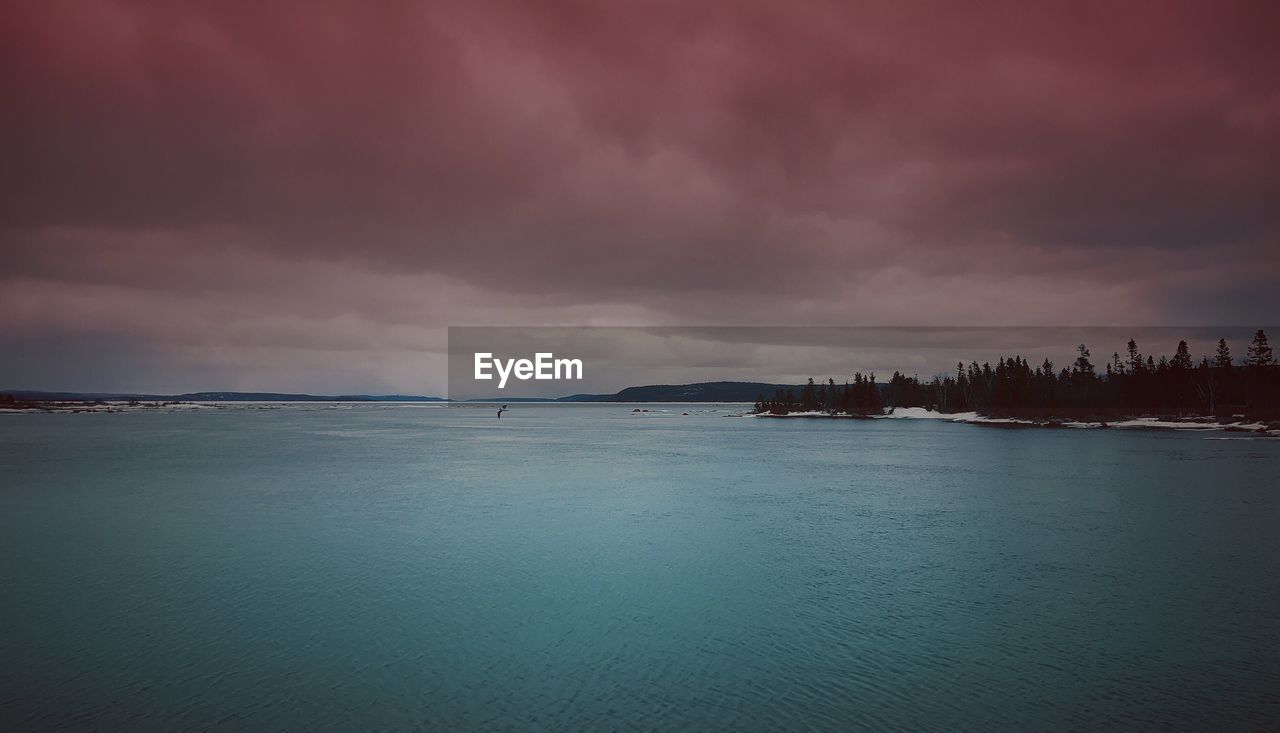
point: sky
(302, 197)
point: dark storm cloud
(201, 170)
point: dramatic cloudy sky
(300, 196)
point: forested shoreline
(1127, 384)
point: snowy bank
(974, 418)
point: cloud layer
(301, 197)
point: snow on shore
(1158, 424)
(922, 413)
(1136, 423)
(973, 418)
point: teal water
(583, 568)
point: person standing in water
(501, 410)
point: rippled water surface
(584, 568)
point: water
(584, 568)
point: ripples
(388, 570)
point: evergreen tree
(1135, 359)
(1182, 358)
(1083, 366)
(1259, 354)
(1223, 358)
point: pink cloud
(655, 162)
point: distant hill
(700, 392)
(36, 396)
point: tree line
(1127, 383)
(860, 397)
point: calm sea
(383, 567)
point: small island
(1132, 390)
